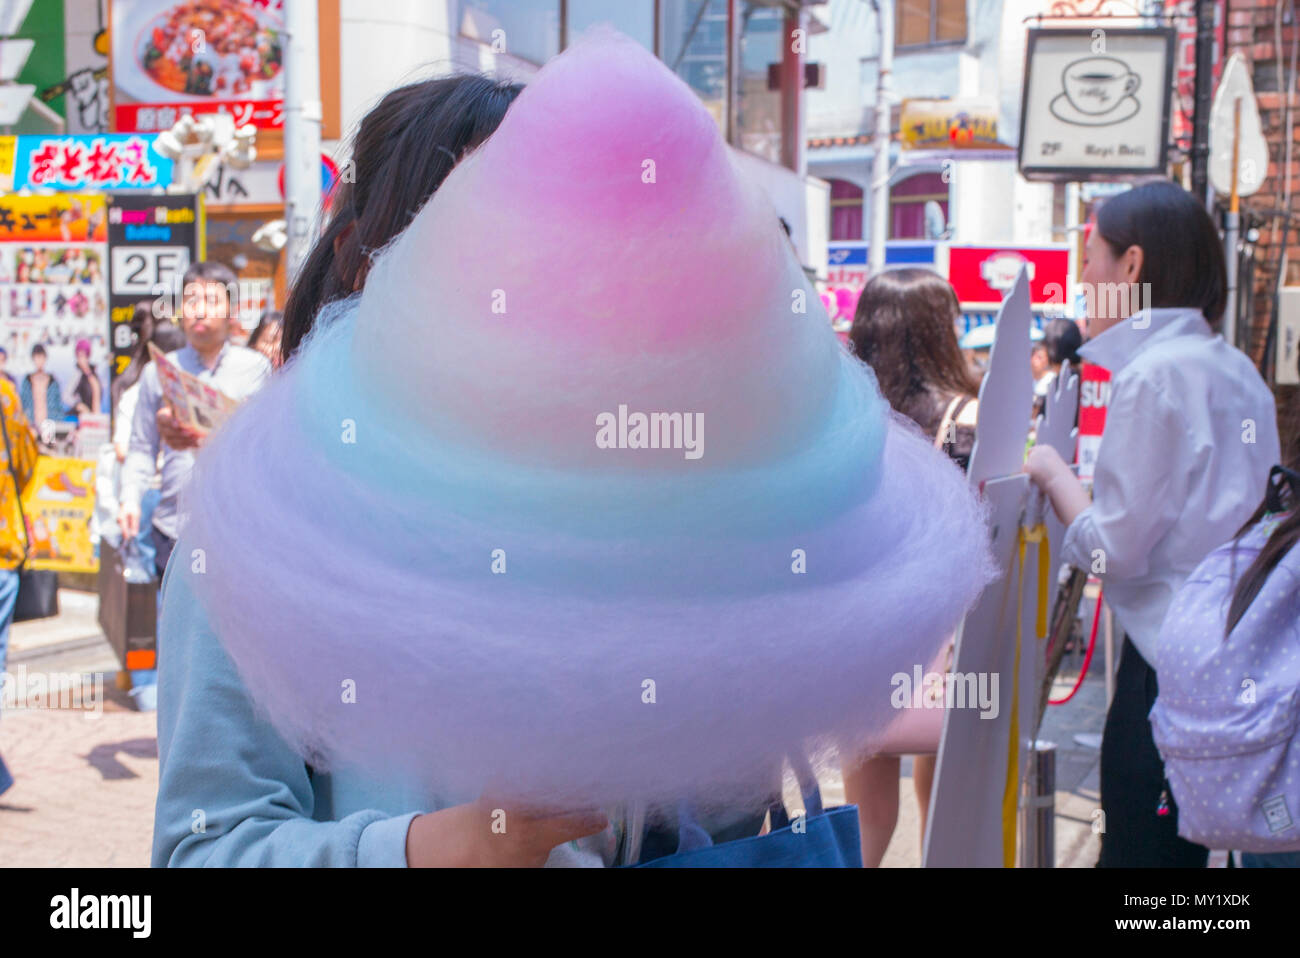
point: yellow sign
(949, 125)
(8, 146)
(59, 503)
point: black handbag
(38, 589)
(127, 610)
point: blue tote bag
(821, 839)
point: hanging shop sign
(948, 125)
(983, 275)
(1096, 103)
(197, 56)
(75, 163)
(151, 242)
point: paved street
(85, 782)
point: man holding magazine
(215, 362)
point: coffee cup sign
(1096, 86)
(1088, 115)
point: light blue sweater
(232, 792)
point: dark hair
(1280, 542)
(1062, 339)
(145, 329)
(1182, 256)
(905, 329)
(403, 150)
(270, 319)
(210, 271)
(38, 350)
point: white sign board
(1096, 103)
(972, 784)
(1252, 150)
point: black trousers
(1133, 778)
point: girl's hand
(485, 834)
(1044, 464)
(1052, 474)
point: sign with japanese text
(59, 503)
(197, 56)
(102, 162)
(151, 242)
(54, 304)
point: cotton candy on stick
(514, 600)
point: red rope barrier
(1087, 659)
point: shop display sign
(100, 162)
(152, 240)
(53, 295)
(984, 274)
(1096, 103)
(949, 125)
(197, 56)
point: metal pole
(792, 144)
(302, 122)
(1232, 227)
(880, 164)
(1038, 814)
(1204, 93)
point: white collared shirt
(1191, 435)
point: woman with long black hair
(1190, 437)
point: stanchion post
(1038, 813)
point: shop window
(922, 22)
(530, 29)
(694, 46)
(907, 201)
(758, 108)
(846, 210)
(635, 18)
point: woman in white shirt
(1190, 437)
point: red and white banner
(1094, 395)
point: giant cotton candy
(418, 506)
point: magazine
(197, 404)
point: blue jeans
(8, 597)
(148, 548)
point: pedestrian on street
(905, 330)
(1190, 437)
(20, 454)
(234, 370)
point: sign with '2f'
(152, 240)
(1096, 103)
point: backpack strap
(941, 436)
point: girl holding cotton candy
(472, 618)
(1190, 437)
(207, 720)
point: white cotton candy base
(595, 665)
